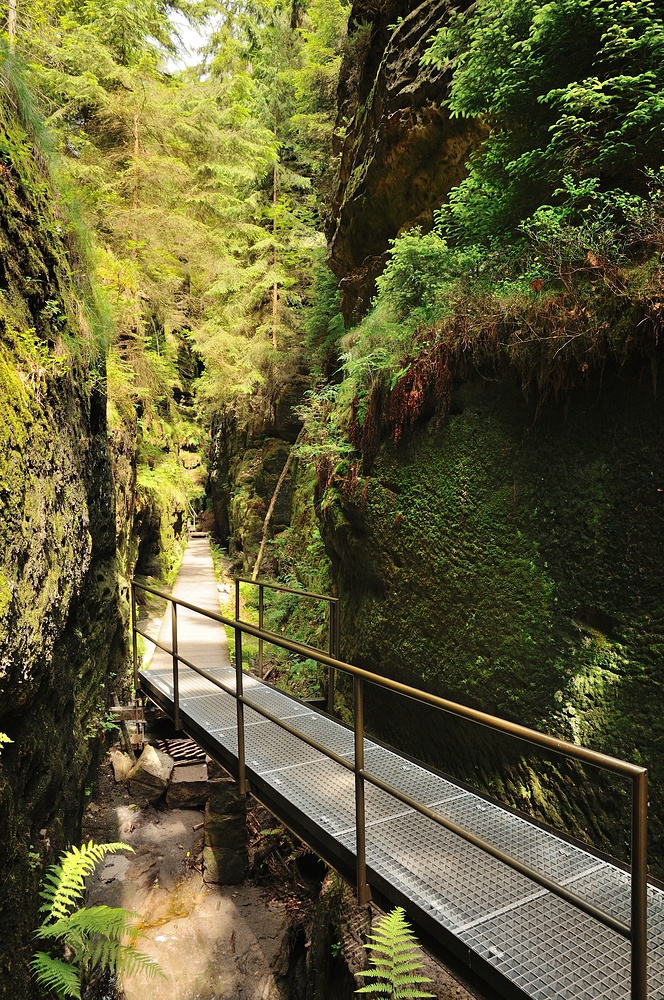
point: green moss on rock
(517, 564)
(61, 637)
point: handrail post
(242, 777)
(260, 625)
(337, 630)
(639, 920)
(237, 599)
(363, 891)
(176, 676)
(332, 645)
(134, 636)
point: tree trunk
(134, 202)
(11, 24)
(270, 512)
(275, 260)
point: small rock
(150, 774)
(225, 797)
(215, 770)
(122, 765)
(222, 866)
(228, 832)
(186, 794)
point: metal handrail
(334, 623)
(635, 931)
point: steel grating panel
(583, 959)
(545, 947)
(535, 847)
(408, 777)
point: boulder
(150, 774)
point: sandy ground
(213, 943)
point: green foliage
(547, 255)
(395, 961)
(89, 938)
(571, 87)
(4, 739)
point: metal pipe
(363, 891)
(287, 590)
(176, 678)
(333, 650)
(639, 917)
(242, 775)
(134, 635)
(237, 598)
(553, 743)
(260, 625)
(337, 630)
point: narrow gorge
(371, 292)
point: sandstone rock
(122, 765)
(225, 831)
(225, 839)
(150, 774)
(222, 867)
(188, 788)
(215, 770)
(402, 152)
(225, 797)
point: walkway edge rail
(635, 931)
(334, 622)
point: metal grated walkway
(523, 938)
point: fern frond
(124, 958)
(132, 962)
(109, 921)
(395, 962)
(64, 884)
(55, 975)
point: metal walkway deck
(522, 938)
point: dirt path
(200, 639)
(213, 942)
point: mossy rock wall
(514, 561)
(61, 635)
(249, 448)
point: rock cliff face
(249, 449)
(507, 558)
(61, 636)
(516, 563)
(400, 152)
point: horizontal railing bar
(261, 711)
(514, 729)
(155, 642)
(295, 732)
(288, 590)
(554, 887)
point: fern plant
(396, 966)
(96, 937)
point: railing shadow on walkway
(635, 932)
